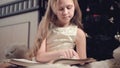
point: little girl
(59, 32)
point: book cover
(74, 61)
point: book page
(25, 60)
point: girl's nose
(65, 11)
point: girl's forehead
(64, 2)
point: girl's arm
(44, 56)
(81, 44)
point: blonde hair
(49, 18)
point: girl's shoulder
(80, 32)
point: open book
(25, 62)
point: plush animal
(16, 51)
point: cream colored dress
(61, 38)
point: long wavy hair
(49, 18)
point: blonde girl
(59, 32)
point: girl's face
(65, 12)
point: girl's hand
(69, 53)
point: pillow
(116, 54)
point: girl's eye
(69, 7)
(61, 8)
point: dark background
(101, 41)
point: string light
(111, 8)
(88, 9)
(111, 19)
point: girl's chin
(66, 20)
